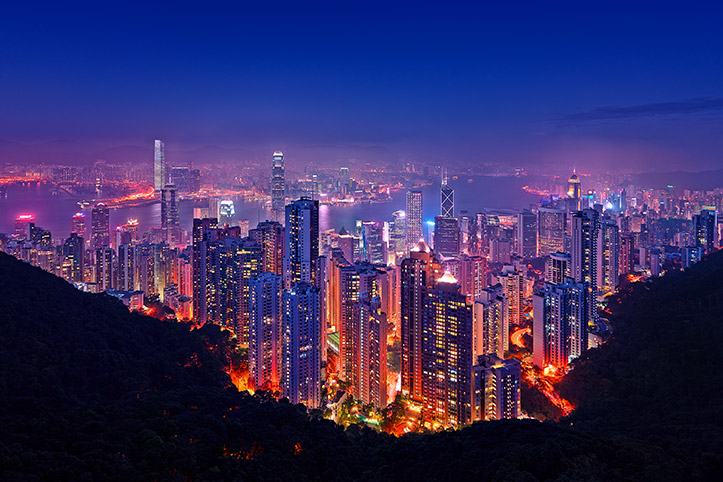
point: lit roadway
(516, 336)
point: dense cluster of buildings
(314, 306)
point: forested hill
(89, 391)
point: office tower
(446, 207)
(100, 227)
(160, 168)
(374, 247)
(265, 332)
(608, 255)
(691, 255)
(301, 250)
(500, 251)
(446, 236)
(496, 388)
(104, 260)
(559, 332)
(419, 272)
(22, 223)
(73, 263)
(584, 254)
(194, 181)
(464, 221)
(414, 218)
(447, 354)
(526, 234)
(574, 193)
(77, 224)
(471, 273)
(270, 236)
(346, 243)
(513, 289)
(302, 345)
(344, 180)
(126, 267)
(398, 232)
(557, 268)
(278, 184)
(627, 253)
(491, 330)
(181, 178)
(169, 214)
(706, 229)
(550, 230)
(369, 346)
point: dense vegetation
(89, 391)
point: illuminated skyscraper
(496, 388)
(126, 267)
(560, 315)
(447, 354)
(491, 323)
(160, 168)
(72, 266)
(574, 193)
(557, 268)
(398, 232)
(513, 288)
(471, 273)
(77, 224)
(22, 224)
(550, 230)
(369, 342)
(526, 235)
(446, 236)
(226, 212)
(270, 236)
(265, 332)
(301, 246)
(446, 208)
(104, 260)
(169, 214)
(419, 272)
(414, 218)
(705, 226)
(100, 227)
(608, 256)
(584, 254)
(374, 247)
(302, 345)
(278, 184)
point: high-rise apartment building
(550, 230)
(447, 354)
(560, 318)
(627, 253)
(169, 215)
(303, 345)
(104, 272)
(496, 390)
(705, 228)
(369, 343)
(526, 234)
(265, 331)
(584, 254)
(608, 256)
(471, 273)
(270, 236)
(414, 218)
(491, 330)
(278, 184)
(513, 289)
(419, 272)
(557, 268)
(301, 246)
(73, 254)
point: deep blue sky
(579, 83)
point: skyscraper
(584, 254)
(77, 224)
(301, 250)
(398, 232)
(491, 330)
(574, 192)
(471, 273)
(72, 266)
(160, 168)
(375, 249)
(169, 214)
(447, 354)
(265, 332)
(608, 256)
(302, 345)
(414, 218)
(526, 234)
(126, 267)
(560, 314)
(446, 236)
(446, 208)
(100, 227)
(627, 253)
(550, 230)
(270, 236)
(278, 184)
(705, 226)
(557, 268)
(513, 289)
(104, 261)
(419, 272)
(496, 388)
(369, 341)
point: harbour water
(503, 195)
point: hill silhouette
(89, 391)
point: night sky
(586, 84)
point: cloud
(696, 106)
